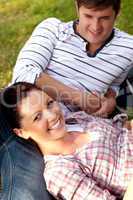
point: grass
(18, 19)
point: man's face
(95, 25)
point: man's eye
(105, 18)
(38, 117)
(88, 16)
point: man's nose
(96, 25)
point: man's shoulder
(53, 23)
(51, 20)
(122, 35)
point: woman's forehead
(35, 100)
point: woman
(85, 158)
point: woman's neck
(65, 145)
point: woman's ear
(21, 133)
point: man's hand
(86, 101)
(92, 103)
(108, 103)
(107, 106)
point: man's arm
(35, 55)
(85, 101)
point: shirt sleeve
(116, 83)
(37, 51)
(68, 180)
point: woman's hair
(100, 4)
(9, 99)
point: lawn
(18, 18)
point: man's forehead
(98, 8)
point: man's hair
(100, 4)
(10, 97)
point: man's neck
(92, 48)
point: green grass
(19, 17)
(17, 20)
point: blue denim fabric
(21, 168)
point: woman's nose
(50, 115)
(52, 111)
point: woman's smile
(56, 125)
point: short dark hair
(100, 4)
(9, 99)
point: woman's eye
(38, 117)
(50, 103)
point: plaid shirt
(100, 170)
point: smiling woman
(74, 148)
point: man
(82, 63)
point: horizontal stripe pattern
(56, 48)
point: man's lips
(95, 33)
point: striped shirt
(99, 170)
(56, 48)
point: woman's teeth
(55, 126)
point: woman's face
(42, 119)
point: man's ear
(21, 133)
